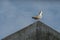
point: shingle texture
(35, 31)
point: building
(35, 31)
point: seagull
(39, 16)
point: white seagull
(38, 16)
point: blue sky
(15, 15)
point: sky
(16, 14)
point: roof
(34, 27)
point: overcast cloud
(15, 15)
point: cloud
(16, 15)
